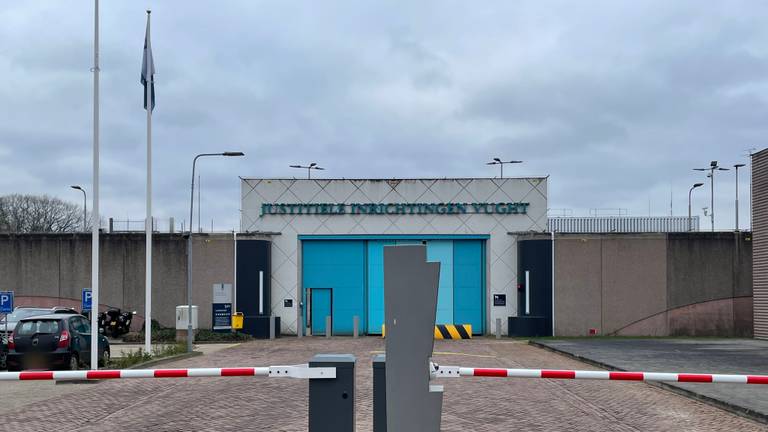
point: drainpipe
(552, 233)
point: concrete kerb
(723, 405)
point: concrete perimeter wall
(52, 270)
(697, 284)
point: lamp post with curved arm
(189, 243)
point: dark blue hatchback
(54, 341)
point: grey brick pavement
(259, 404)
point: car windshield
(20, 314)
(31, 327)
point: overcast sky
(616, 100)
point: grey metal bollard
(271, 326)
(355, 326)
(332, 401)
(300, 326)
(328, 328)
(379, 393)
(498, 328)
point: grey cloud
(617, 101)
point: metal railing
(623, 224)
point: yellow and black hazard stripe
(453, 331)
(445, 331)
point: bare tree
(38, 213)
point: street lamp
(736, 167)
(501, 163)
(189, 243)
(309, 168)
(712, 168)
(689, 203)
(85, 209)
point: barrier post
(328, 329)
(355, 326)
(379, 393)
(498, 328)
(271, 326)
(332, 401)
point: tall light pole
(189, 243)
(501, 163)
(736, 167)
(712, 168)
(85, 206)
(309, 168)
(689, 203)
(95, 221)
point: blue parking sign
(86, 303)
(6, 301)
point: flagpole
(95, 207)
(148, 224)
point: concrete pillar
(332, 401)
(328, 328)
(498, 328)
(355, 326)
(171, 225)
(271, 326)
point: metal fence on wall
(625, 224)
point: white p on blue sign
(86, 303)
(6, 301)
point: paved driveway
(256, 404)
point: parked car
(53, 341)
(21, 313)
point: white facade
(501, 247)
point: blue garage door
(469, 283)
(340, 266)
(376, 284)
(353, 271)
(442, 251)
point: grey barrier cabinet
(332, 401)
(410, 296)
(379, 393)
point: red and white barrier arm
(457, 371)
(297, 371)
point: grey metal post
(355, 326)
(111, 225)
(332, 401)
(271, 326)
(300, 326)
(171, 225)
(328, 328)
(410, 296)
(379, 393)
(498, 328)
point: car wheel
(104, 361)
(74, 362)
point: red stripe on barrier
(171, 373)
(103, 374)
(238, 372)
(757, 379)
(626, 376)
(701, 378)
(36, 376)
(490, 372)
(558, 374)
